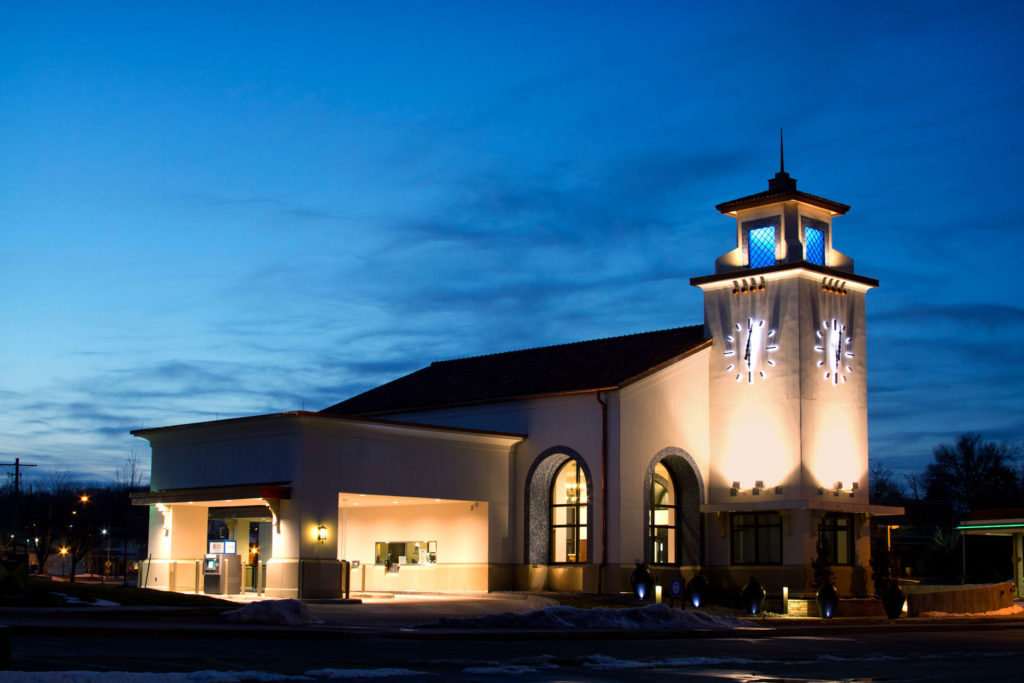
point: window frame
(576, 531)
(674, 513)
(822, 227)
(773, 222)
(767, 521)
(829, 531)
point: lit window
(761, 246)
(836, 538)
(663, 517)
(756, 538)
(814, 245)
(405, 552)
(569, 515)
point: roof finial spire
(781, 182)
(782, 158)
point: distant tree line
(84, 524)
(964, 477)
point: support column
(1018, 563)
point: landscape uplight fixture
(85, 498)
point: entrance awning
(229, 495)
(994, 523)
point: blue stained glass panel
(761, 246)
(814, 245)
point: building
(736, 448)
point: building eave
(765, 198)
(806, 266)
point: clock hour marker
(729, 367)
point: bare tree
(882, 484)
(131, 474)
(973, 474)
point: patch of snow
(864, 658)
(336, 674)
(500, 669)
(290, 612)
(1013, 610)
(648, 618)
(71, 600)
(606, 663)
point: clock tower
(788, 392)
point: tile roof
(770, 197)
(565, 368)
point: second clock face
(748, 351)
(833, 344)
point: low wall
(445, 578)
(958, 599)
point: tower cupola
(782, 225)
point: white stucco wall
(569, 422)
(666, 410)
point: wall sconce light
(167, 513)
(321, 533)
(735, 488)
(758, 487)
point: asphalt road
(376, 637)
(956, 655)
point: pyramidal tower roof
(781, 188)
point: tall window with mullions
(835, 536)
(569, 515)
(663, 517)
(761, 246)
(814, 243)
(756, 537)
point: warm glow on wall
(757, 448)
(836, 448)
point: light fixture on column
(321, 533)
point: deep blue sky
(220, 209)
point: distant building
(735, 448)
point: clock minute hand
(746, 356)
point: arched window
(663, 517)
(569, 514)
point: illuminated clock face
(834, 346)
(749, 350)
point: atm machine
(222, 569)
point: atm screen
(211, 564)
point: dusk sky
(212, 210)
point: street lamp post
(106, 565)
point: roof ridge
(565, 344)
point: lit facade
(735, 448)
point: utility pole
(17, 465)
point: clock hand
(746, 356)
